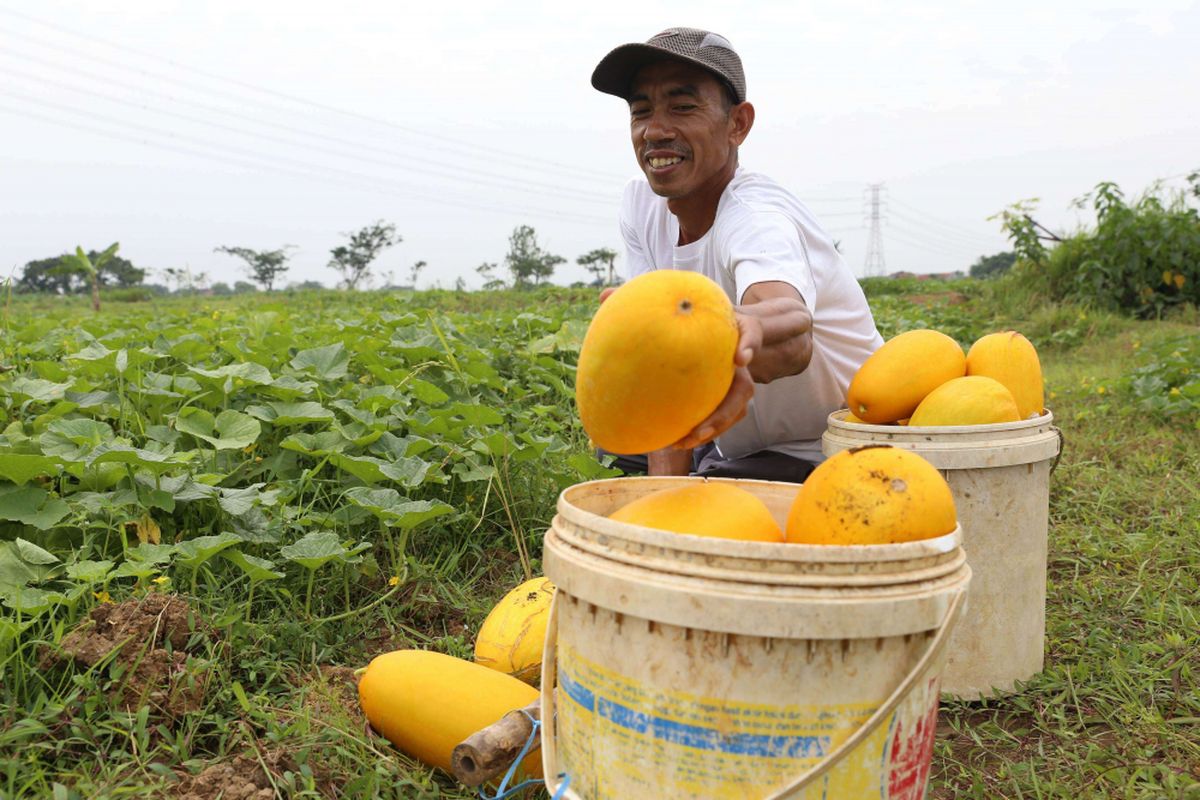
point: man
(804, 323)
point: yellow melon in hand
(970, 400)
(512, 637)
(896, 377)
(1013, 360)
(657, 359)
(875, 494)
(704, 509)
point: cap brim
(615, 72)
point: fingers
(750, 340)
(726, 415)
(604, 294)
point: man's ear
(741, 118)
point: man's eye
(638, 113)
(685, 107)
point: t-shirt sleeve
(637, 259)
(768, 246)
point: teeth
(663, 162)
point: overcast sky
(174, 127)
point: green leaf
(247, 372)
(318, 548)
(30, 553)
(29, 600)
(394, 511)
(32, 506)
(230, 430)
(283, 414)
(90, 572)
(426, 392)
(257, 569)
(20, 468)
(194, 552)
(37, 389)
(328, 363)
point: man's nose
(658, 128)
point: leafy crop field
(290, 484)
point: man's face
(682, 132)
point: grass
(1115, 714)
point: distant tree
(526, 260)
(80, 264)
(49, 275)
(242, 287)
(186, 281)
(220, 288)
(487, 270)
(353, 261)
(599, 261)
(264, 265)
(415, 270)
(993, 266)
(307, 285)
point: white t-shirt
(763, 233)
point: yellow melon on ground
(426, 703)
(513, 635)
(875, 494)
(704, 508)
(1013, 360)
(970, 400)
(896, 377)
(657, 359)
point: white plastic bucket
(1000, 476)
(690, 667)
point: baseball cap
(713, 52)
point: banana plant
(78, 262)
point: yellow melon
(875, 494)
(1013, 360)
(896, 377)
(511, 639)
(970, 400)
(704, 508)
(657, 359)
(426, 703)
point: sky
(178, 127)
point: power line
(931, 219)
(354, 180)
(974, 241)
(539, 164)
(501, 181)
(874, 263)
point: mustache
(682, 152)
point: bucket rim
(837, 420)
(715, 546)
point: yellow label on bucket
(619, 739)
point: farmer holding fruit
(804, 325)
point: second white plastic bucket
(690, 667)
(1000, 477)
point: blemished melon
(1013, 360)
(896, 377)
(657, 359)
(706, 508)
(426, 703)
(970, 400)
(876, 494)
(513, 635)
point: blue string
(503, 791)
(562, 787)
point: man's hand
(774, 341)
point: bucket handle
(1062, 444)
(550, 682)
(884, 711)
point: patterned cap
(614, 74)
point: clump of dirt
(940, 299)
(149, 640)
(241, 779)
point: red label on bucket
(912, 752)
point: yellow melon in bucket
(1011, 359)
(970, 400)
(704, 509)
